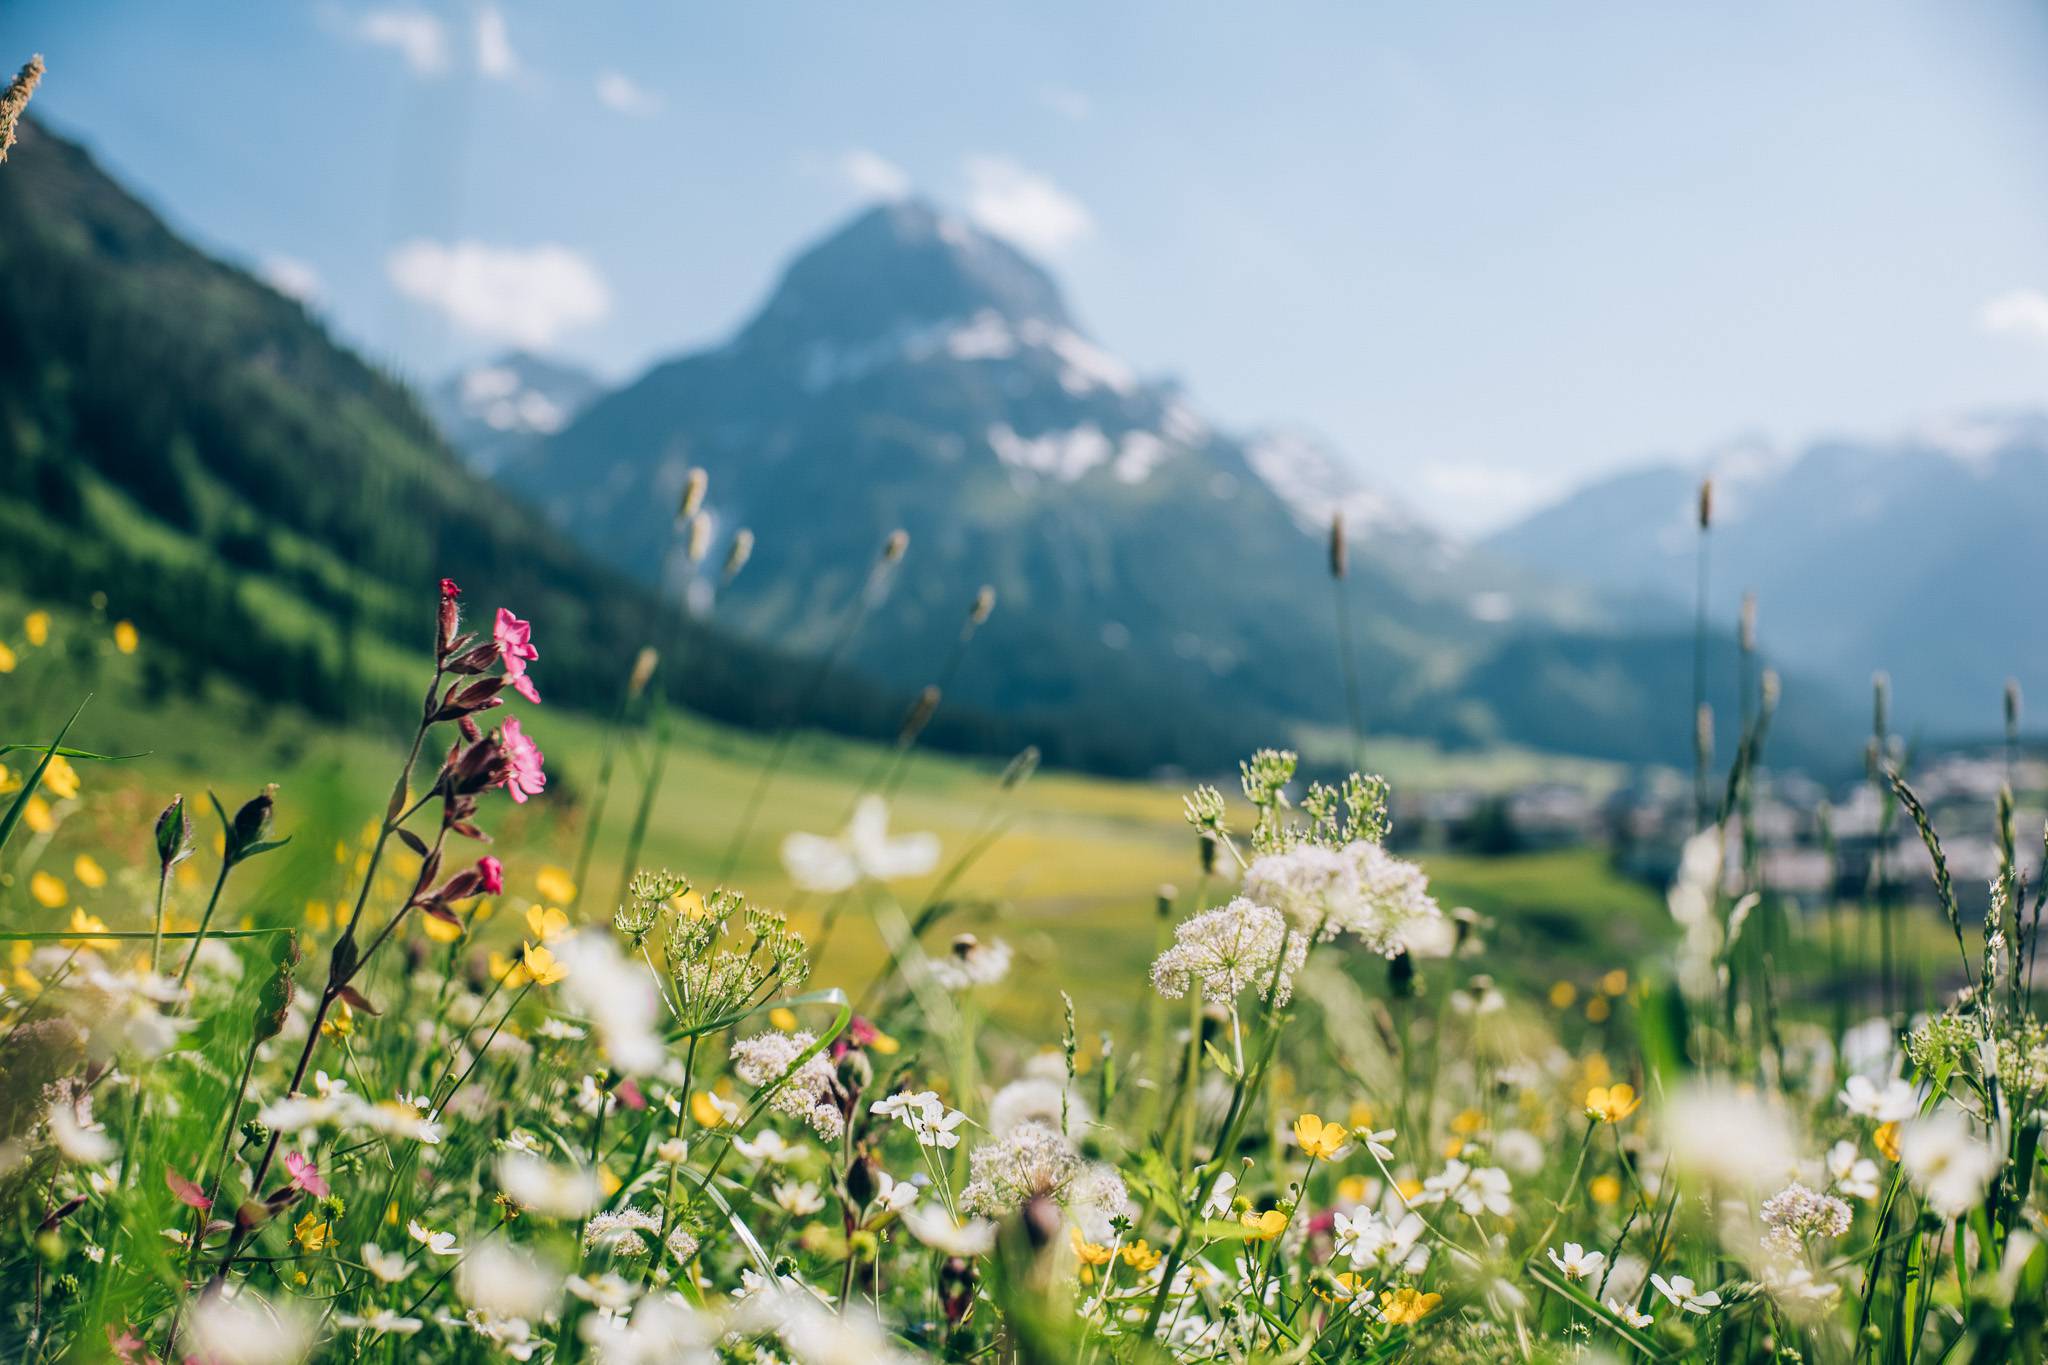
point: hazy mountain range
(1158, 574)
(1919, 554)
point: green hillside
(270, 508)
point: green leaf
(63, 752)
(34, 779)
(1223, 1063)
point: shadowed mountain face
(1920, 555)
(270, 509)
(1162, 577)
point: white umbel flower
(1229, 949)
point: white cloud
(1469, 498)
(494, 54)
(620, 92)
(522, 295)
(1024, 206)
(1068, 104)
(874, 174)
(290, 276)
(2021, 313)
(414, 34)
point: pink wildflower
(188, 1193)
(514, 638)
(492, 873)
(523, 775)
(449, 588)
(305, 1174)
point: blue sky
(1488, 249)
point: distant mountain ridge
(1918, 554)
(1163, 577)
(495, 410)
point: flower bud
(862, 1183)
(918, 716)
(984, 603)
(895, 545)
(737, 555)
(173, 834)
(699, 543)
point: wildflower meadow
(445, 1118)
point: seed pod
(984, 603)
(1706, 503)
(274, 1001)
(1748, 630)
(738, 553)
(693, 494)
(643, 671)
(919, 715)
(2012, 704)
(1772, 689)
(861, 1182)
(252, 821)
(1021, 767)
(1339, 560)
(895, 545)
(700, 539)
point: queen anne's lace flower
(1230, 948)
(1797, 1213)
(1035, 1162)
(1360, 889)
(762, 1059)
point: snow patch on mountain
(1316, 484)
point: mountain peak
(900, 265)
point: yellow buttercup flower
(60, 779)
(1361, 1115)
(1406, 1305)
(340, 1021)
(689, 904)
(7, 660)
(1605, 1189)
(312, 1232)
(547, 923)
(8, 781)
(1612, 1103)
(88, 872)
(1597, 1010)
(440, 930)
(712, 1112)
(1353, 1189)
(1265, 1226)
(1563, 994)
(1468, 1122)
(1141, 1256)
(1597, 1070)
(541, 965)
(889, 1047)
(1089, 1252)
(37, 627)
(555, 884)
(125, 638)
(1349, 1285)
(507, 970)
(82, 923)
(1615, 982)
(319, 915)
(783, 1018)
(49, 892)
(1887, 1140)
(1319, 1139)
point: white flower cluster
(1797, 1213)
(1035, 1162)
(762, 1060)
(1230, 948)
(1360, 889)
